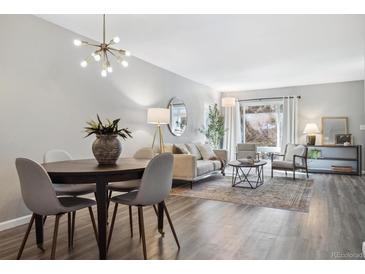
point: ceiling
(238, 52)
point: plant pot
(107, 149)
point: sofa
(193, 162)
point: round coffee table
(241, 172)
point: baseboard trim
(15, 222)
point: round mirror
(178, 116)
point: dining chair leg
(69, 229)
(112, 225)
(93, 222)
(131, 220)
(55, 233)
(171, 225)
(155, 209)
(73, 220)
(109, 197)
(139, 225)
(140, 215)
(26, 236)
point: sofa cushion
(206, 151)
(181, 149)
(204, 167)
(217, 164)
(194, 151)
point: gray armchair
(294, 158)
(245, 151)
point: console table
(336, 155)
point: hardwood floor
(218, 230)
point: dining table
(86, 171)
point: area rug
(283, 193)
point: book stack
(344, 169)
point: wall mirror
(332, 126)
(178, 116)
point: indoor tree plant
(215, 127)
(106, 147)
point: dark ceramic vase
(107, 149)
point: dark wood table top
(237, 163)
(91, 166)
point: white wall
(335, 99)
(46, 97)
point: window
(261, 123)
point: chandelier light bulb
(116, 40)
(77, 42)
(127, 53)
(96, 56)
(104, 73)
(109, 69)
(124, 63)
(83, 63)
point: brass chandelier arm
(120, 51)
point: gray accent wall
(334, 99)
(46, 98)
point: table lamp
(158, 116)
(311, 130)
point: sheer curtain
(232, 136)
(290, 121)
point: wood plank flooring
(218, 230)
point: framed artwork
(343, 138)
(332, 126)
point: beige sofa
(191, 165)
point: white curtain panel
(232, 135)
(290, 121)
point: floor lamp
(158, 117)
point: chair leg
(306, 170)
(272, 173)
(69, 229)
(286, 173)
(109, 197)
(155, 209)
(93, 222)
(140, 215)
(55, 233)
(131, 220)
(293, 174)
(112, 225)
(171, 225)
(73, 220)
(26, 237)
(139, 225)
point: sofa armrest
(222, 154)
(184, 167)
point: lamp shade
(311, 128)
(158, 116)
(228, 102)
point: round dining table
(88, 171)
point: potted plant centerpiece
(107, 147)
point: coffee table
(241, 172)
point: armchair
(294, 158)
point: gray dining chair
(40, 198)
(155, 186)
(59, 155)
(127, 186)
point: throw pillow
(207, 152)
(181, 149)
(194, 151)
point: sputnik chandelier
(103, 52)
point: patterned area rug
(279, 192)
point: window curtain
(290, 121)
(232, 136)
